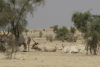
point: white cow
(73, 49)
(66, 49)
(81, 49)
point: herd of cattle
(25, 40)
(50, 48)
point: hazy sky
(59, 12)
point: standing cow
(23, 39)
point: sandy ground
(50, 59)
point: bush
(55, 29)
(61, 33)
(71, 38)
(43, 29)
(40, 34)
(50, 38)
(72, 30)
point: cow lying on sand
(70, 49)
(74, 49)
(44, 47)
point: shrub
(71, 38)
(72, 30)
(43, 29)
(50, 38)
(61, 33)
(40, 34)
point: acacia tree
(13, 14)
(26, 30)
(89, 25)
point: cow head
(35, 46)
(4, 38)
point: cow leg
(28, 47)
(24, 46)
(90, 49)
(17, 48)
(87, 49)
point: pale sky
(59, 12)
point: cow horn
(32, 39)
(5, 33)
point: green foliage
(13, 13)
(61, 34)
(72, 30)
(50, 38)
(81, 20)
(20, 30)
(70, 37)
(89, 25)
(55, 29)
(40, 34)
(26, 30)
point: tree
(89, 25)
(81, 20)
(16, 12)
(13, 14)
(55, 29)
(26, 30)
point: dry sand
(50, 59)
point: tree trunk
(90, 49)
(95, 48)
(87, 50)
(95, 51)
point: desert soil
(50, 59)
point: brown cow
(44, 47)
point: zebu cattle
(61, 47)
(81, 49)
(73, 49)
(44, 47)
(66, 49)
(23, 39)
